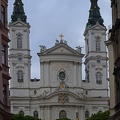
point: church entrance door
(62, 114)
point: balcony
(4, 107)
(5, 112)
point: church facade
(60, 92)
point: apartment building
(4, 69)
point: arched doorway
(62, 114)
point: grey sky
(49, 18)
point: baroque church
(60, 92)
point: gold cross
(61, 36)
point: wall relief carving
(63, 97)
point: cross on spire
(61, 36)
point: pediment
(98, 27)
(61, 49)
(19, 23)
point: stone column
(79, 74)
(74, 79)
(48, 73)
(48, 116)
(81, 113)
(42, 73)
(42, 112)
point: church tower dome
(94, 15)
(18, 12)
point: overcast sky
(49, 18)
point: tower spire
(18, 12)
(94, 15)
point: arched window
(100, 111)
(19, 40)
(20, 76)
(97, 45)
(19, 43)
(98, 78)
(35, 114)
(62, 114)
(21, 112)
(87, 114)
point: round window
(62, 75)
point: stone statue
(43, 48)
(65, 41)
(79, 49)
(77, 116)
(44, 94)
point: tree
(100, 116)
(22, 117)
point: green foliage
(22, 117)
(100, 116)
(18, 117)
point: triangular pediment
(98, 27)
(19, 23)
(62, 48)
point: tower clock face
(19, 58)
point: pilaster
(75, 73)
(82, 113)
(42, 112)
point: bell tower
(19, 58)
(95, 49)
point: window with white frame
(97, 45)
(19, 43)
(99, 78)
(19, 40)
(20, 76)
